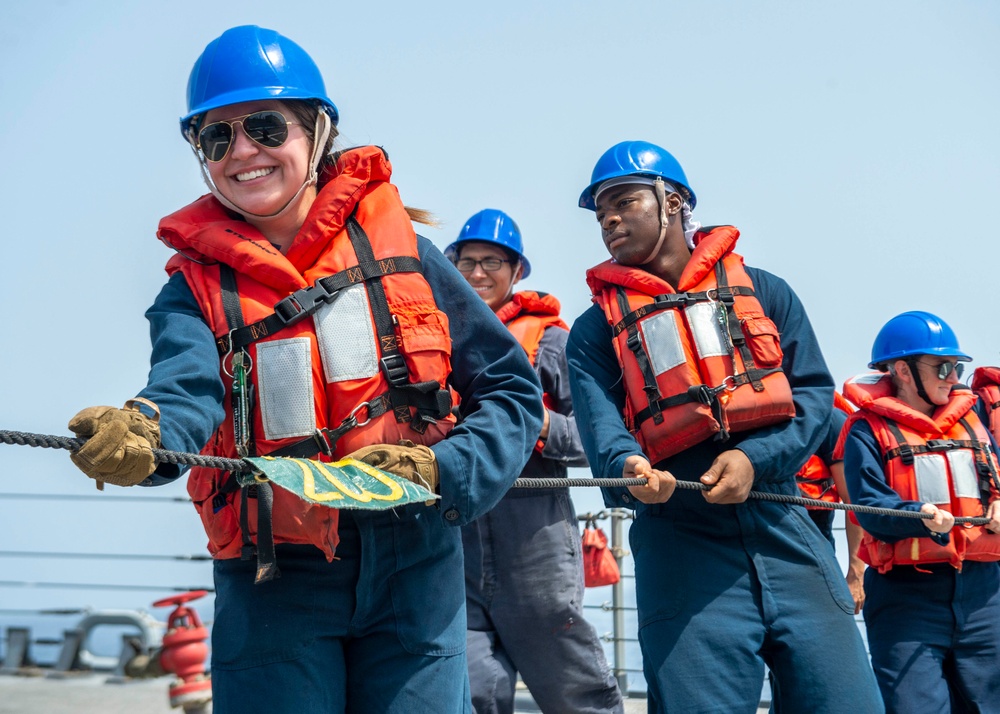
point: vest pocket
(425, 341)
(218, 514)
(764, 341)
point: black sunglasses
(268, 128)
(945, 369)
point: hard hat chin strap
(661, 199)
(320, 135)
(921, 392)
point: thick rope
(753, 495)
(48, 441)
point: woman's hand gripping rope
(120, 443)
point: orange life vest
(815, 479)
(699, 361)
(527, 316)
(986, 383)
(944, 459)
(351, 355)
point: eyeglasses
(945, 369)
(267, 128)
(490, 265)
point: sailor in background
(822, 479)
(919, 443)
(523, 560)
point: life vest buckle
(940, 444)
(323, 442)
(394, 369)
(701, 393)
(302, 303)
(671, 300)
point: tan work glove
(406, 459)
(120, 443)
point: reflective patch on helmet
(284, 380)
(703, 318)
(964, 474)
(932, 478)
(346, 336)
(663, 341)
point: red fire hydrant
(184, 652)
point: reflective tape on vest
(346, 337)
(964, 474)
(708, 338)
(662, 335)
(284, 369)
(932, 476)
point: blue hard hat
(636, 158)
(250, 63)
(491, 226)
(915, 333)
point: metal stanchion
(618, 600)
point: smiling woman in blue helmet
(919, 443)
(304, 317)
(693, 366)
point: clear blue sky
(854, 144)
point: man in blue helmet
(523, 561)
(692, 366)
(304, 317)
(919, 443)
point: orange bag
(599, 564)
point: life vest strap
(736, 339)
(304, 302)
(634, 343)
(825, 485)
(672, 301)
(324, 441)
(985, 468)
(267, 565)
(709, 396)
(906, 452)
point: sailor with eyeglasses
(523, 560)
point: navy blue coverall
(524, 578)
(723, 590)
(381, 629)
